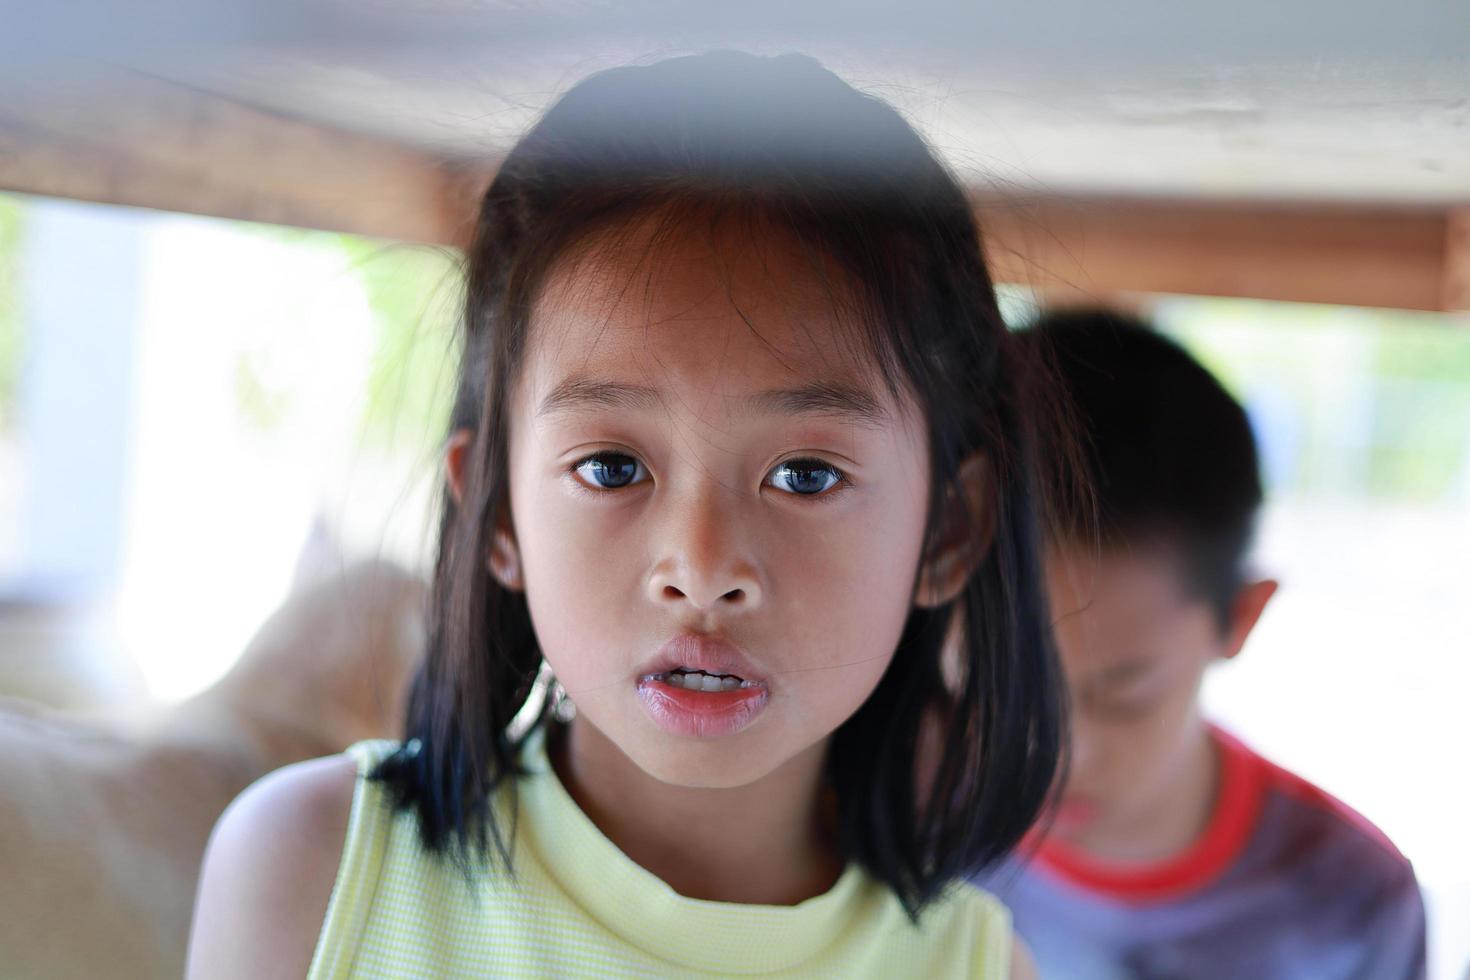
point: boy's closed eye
(1125, 690)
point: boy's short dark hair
(1169, 453)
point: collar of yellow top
(637, 906)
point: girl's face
(717, 510)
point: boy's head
(1146, 577)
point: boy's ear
(505, 559)
(966, 529)
(1245, 612)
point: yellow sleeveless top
(578, 907)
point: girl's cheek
(854, 604)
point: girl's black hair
(786, 142)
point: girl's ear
(966, 529)
(505, 557)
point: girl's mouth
(709, 682)
(702, 686)
(694, 703)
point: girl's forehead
(730, 312)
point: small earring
(563, 709)
(503, 562)
(506, 571)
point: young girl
(739, 440)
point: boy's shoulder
(1301, 824)
(1313, 857)
(1287, 881)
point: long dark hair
(784, 140)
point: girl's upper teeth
(698, 680)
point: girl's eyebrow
(584, 393)
(834, 399)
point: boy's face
(1134, 646)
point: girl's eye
(609, 471)
(805, 477)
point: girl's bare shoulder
(269, 870)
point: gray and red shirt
(1286, 881)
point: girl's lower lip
(700, 714)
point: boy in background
(1177, 851)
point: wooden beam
(1349, 255)
(1457, 260)
(127, 138)
(131, 139)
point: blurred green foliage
(264, 406)
(1347, 401)
(1421, 428)
(415, 293)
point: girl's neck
(766, 843)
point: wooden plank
(126, 138)
(1352, 255)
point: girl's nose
(701, 592)
(706, 561)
